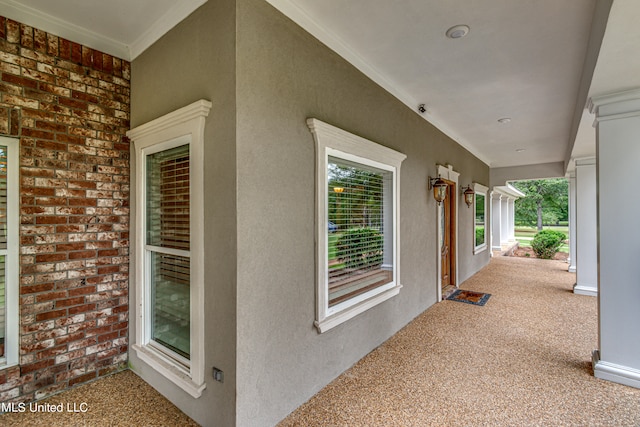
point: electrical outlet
(218, 375)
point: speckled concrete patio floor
(122, 399)
(523, 359)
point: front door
(447, 240)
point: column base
(614, 373)
(585, 290)
(572, 269)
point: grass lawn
(524, 235)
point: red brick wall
(69, 105)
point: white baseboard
(615, 373)
(585, 290)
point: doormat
(469, 297)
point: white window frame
(12, 264)
(479, 189)
(335, 142)
(185, 125)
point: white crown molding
(180, 10)
(300, 17)
(290, 9)
(585, 161)
(615, 105)
(37, 19)
(612, 98)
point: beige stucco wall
(285, 76)
(196, 60)
(265, 77)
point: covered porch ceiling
(513, 91)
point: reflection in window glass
(356, 232)
(480, 219)
(168, 241)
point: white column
(496, 222)
(572, 222)
(512, 220)
(504, 220)
(618, 151)
(586, 228)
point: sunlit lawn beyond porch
(524, 235)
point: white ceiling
(525, 60)
(521, 60)
(123, 28)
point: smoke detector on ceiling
(457, 31)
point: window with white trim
(170, 245)
(9, 226)
(167, 248)
(480, 221)
(357, 190)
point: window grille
(356, 197)
(168, 247)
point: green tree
(545, 201)
(355, 197)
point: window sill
(479, 249)
(5, 365)
(342, 316)
(174, 373)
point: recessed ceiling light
(504, 120)
(457, 31)
(520, 150)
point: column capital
(585, 161)
(617, 105)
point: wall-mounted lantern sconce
(439, 188)
(468, 195)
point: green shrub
(360, 247)
(546, 243)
